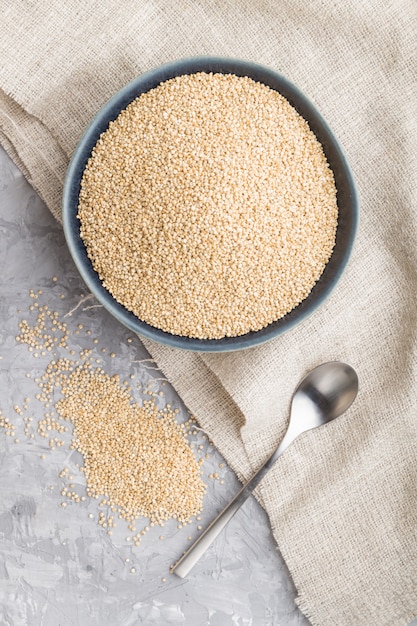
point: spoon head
(324, 394)
(330, 389)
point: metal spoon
(324, 394)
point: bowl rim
(111, 109)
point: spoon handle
(193, 554)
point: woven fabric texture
(342, 500)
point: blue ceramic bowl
(346, 199)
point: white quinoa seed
(137, 459)
(136, 455)
(208, 208)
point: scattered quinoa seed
(136, 455)
(137, 460)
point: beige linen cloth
(343, 500)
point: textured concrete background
(58, 567)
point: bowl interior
(346, 200)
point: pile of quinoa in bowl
(209, 206)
